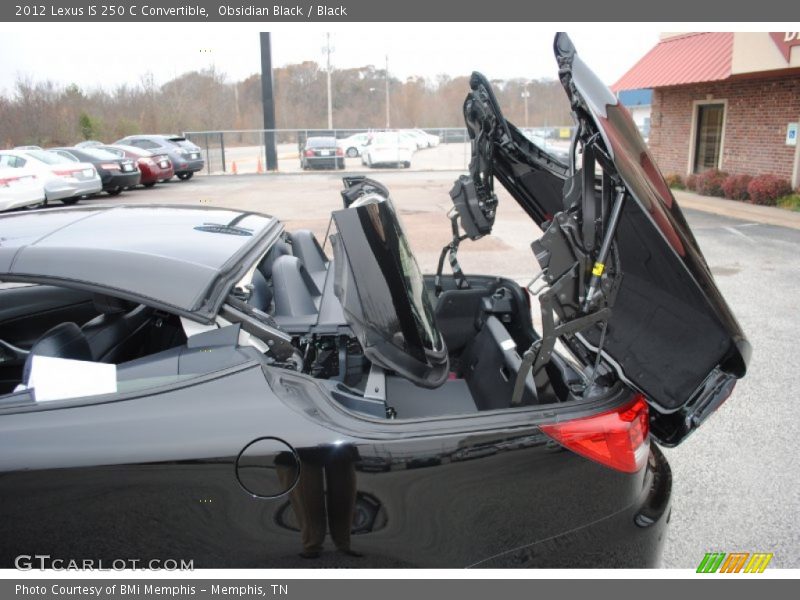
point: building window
(708, 136)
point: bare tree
(45, 113)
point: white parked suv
(387, 148)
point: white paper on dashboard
(58, 378)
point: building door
(708, 136)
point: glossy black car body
(274, 405)
(115, 173)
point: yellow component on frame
(598, 269)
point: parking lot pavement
(736, 485)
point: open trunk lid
(623, 270)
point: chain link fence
(242, 152)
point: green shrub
(675, 181)
(791, 202)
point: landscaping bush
(790, 202)
(766, 189)
(675, 182)
(709, 183)
(735, 187)
(691, 182)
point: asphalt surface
(736, 486)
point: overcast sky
(93, 55)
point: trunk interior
(487, 329)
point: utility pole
(388, 120)
(328, 49)
(525, 95)
(268, 99)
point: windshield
(183, 143)
(386, 139)
(100, 153)
(122, 149)
(320, 142)
(50, 158)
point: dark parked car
(321, 153)
(199, 383)
(153, 167)
(185, 156)
(116, 173)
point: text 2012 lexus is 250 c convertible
(197, 383)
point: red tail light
(309, 153)
(616, 439)
(4, 182)
(339, 152)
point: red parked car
(154, 167)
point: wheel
(407, 164)
(42, 204)
(340, 164)
(369, 162)
(149, 185)
(352, 152)
(70, 201)
(115, 192)
(185, 176)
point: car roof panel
(174, 256)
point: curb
(767, 215)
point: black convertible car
(198, 384)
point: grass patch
(790, 202)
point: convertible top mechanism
(579, 269)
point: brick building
(729, 101)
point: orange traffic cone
(234, 169)
(260, 167)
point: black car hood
(671, 334)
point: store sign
(785, 41)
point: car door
(150, 473)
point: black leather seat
(306, 247)
(280, 248)
(65, 340)
(490, 367)
(294, 289)
(261, 293)
(117, 333)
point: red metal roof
(690, 58)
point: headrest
(281, 248)
(62, 341)
(109, 305)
